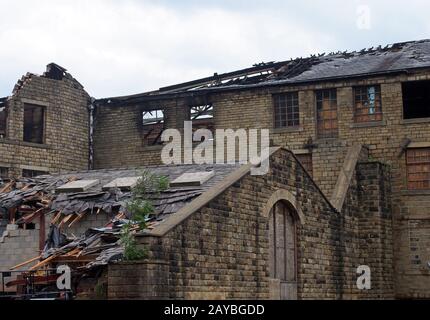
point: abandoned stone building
(350, 183)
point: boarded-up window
(368, 105)
(418, 166)
(33, 123)
(26, 173)
(153, 126)
(327, 123)
(202, 117)
(287, 110)
(306, 161)
(282, 250)
(3, 116)
(4, 173)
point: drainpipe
(91, 110)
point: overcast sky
(123, 47)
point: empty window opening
(416, 99)
(3, 120)
(306, 161)
(4, 173)
(33, 123)
(26, 173)
(153, 126)
(418, 168)
(327, 122)
(202, 117)
(367, 103)
(287, 110)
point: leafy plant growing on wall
(140, 208)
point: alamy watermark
(64, 281)
(364, 280)
(364, 17)
(226, 146)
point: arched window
(282, 252)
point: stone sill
(288, 130)
(26, 144)
(415, 121)
(415, 192)
(369, 124)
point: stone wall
(221, 251)
(134, 280)
(66, 127)
(253, 108)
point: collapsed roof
(399, 57)
(29, 198)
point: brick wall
(253, 108)
(66, 127)
(221, 251)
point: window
(327, 125)
(4, 173)
(153, 126)
(282, 251)
(306, 161)
(416, 99)
(287, 110)
(26, 173)
(418, 168)
(202, 117)
(3, 118)
(367, 103)
(33, 123)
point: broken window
(367, 102)
(26, 173)
(202, 117)
(33, 123)
(306, 161)
(326, 101)
(4, 173)
(153, 126)
(3, 119)
(418, 168)
(416, 99)
(287, 110)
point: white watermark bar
(227, 146)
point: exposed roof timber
(135, 99)
(225, 76)
(393, 59)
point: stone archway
(283, 215)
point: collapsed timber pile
(24, 200)
(100, 246)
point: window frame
(308, 165)
(40, 139)
(3, 121)
(417, 164)
(153, 125)
(289, 111)
(377, 114)
(335, 132)
(410, 119)
(4, 173)
(35, 173)
(207, 121)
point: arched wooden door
(282, 253)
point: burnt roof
(399, 57)
(111, 201)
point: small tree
(140, 208)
